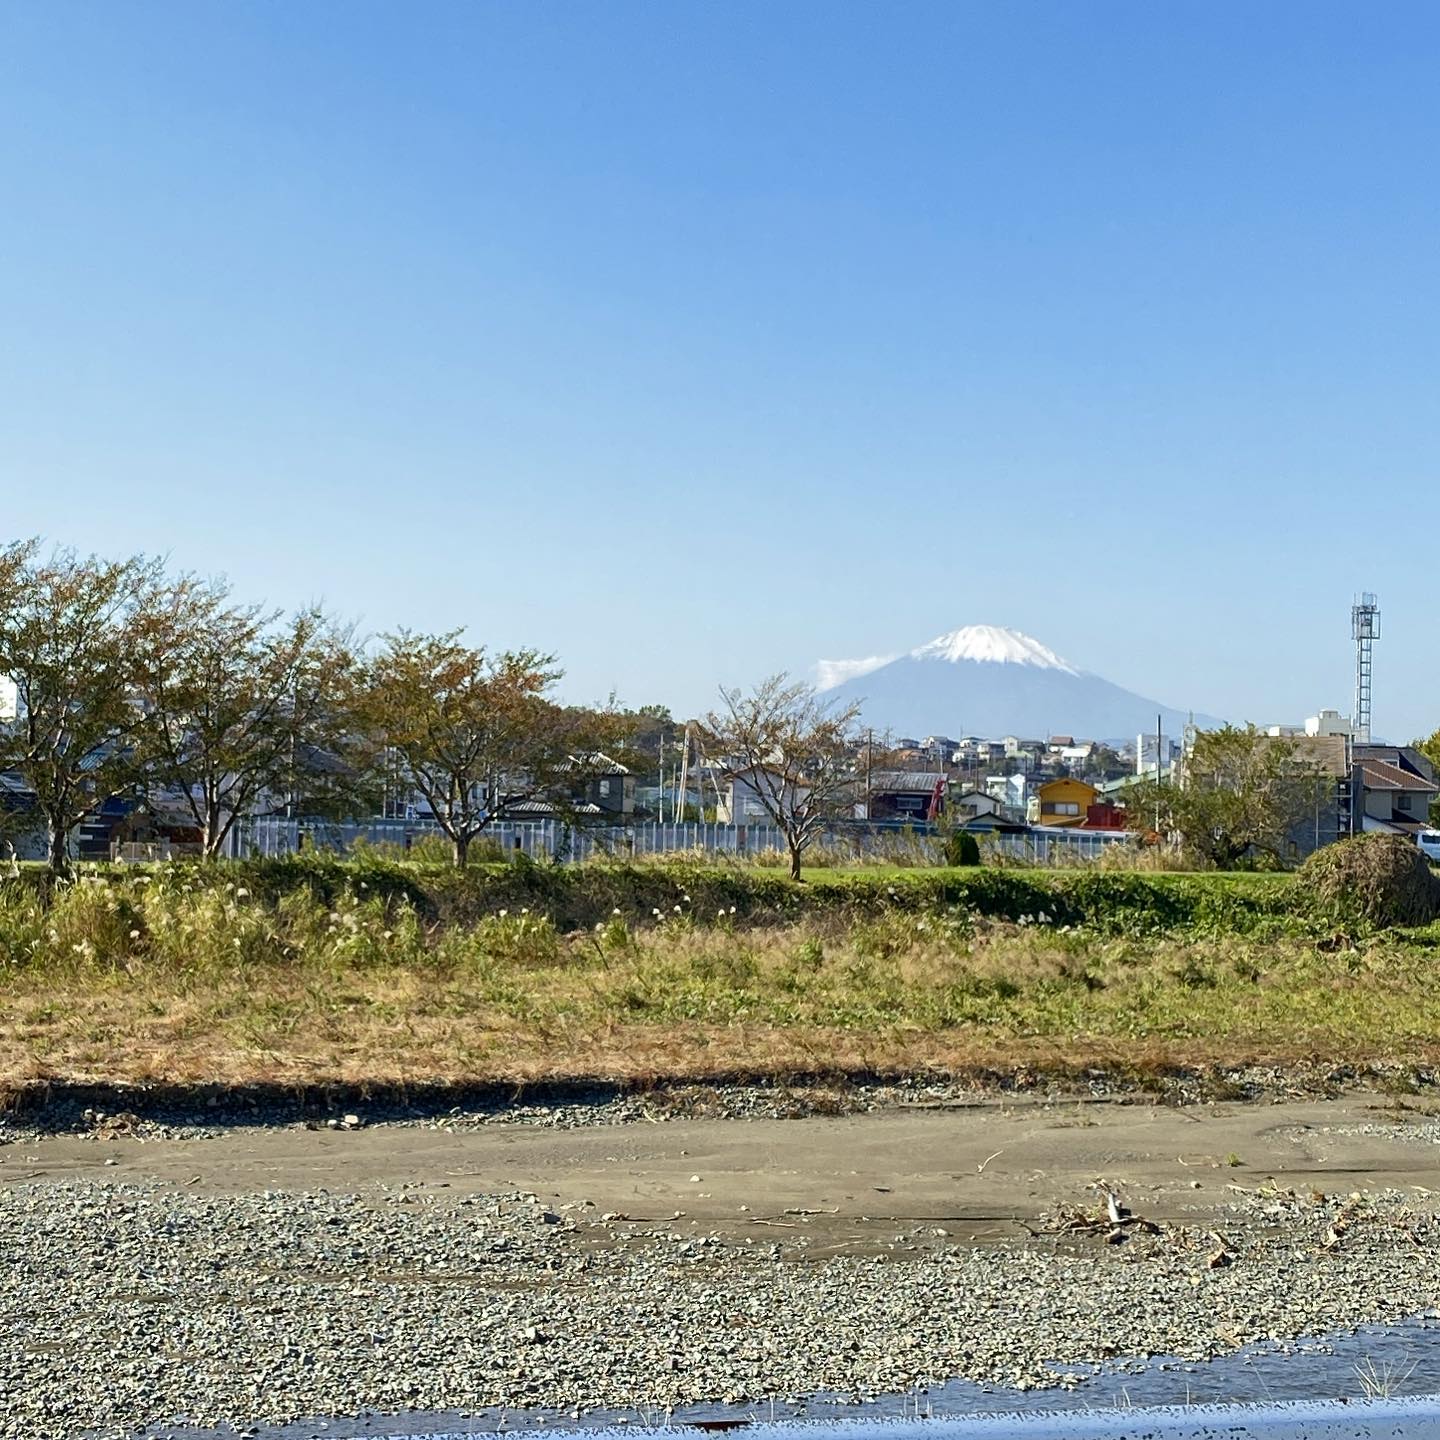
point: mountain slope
(991, 681)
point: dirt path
(979, 1172)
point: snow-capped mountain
(991, 681)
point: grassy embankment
(309, 973)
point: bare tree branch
(792, 750)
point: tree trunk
(214, 836)
(461, 844)
(59, 848)
(794, 861)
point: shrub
(962, 848)
(1383, 879)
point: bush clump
(1383, 879)
(962, 848)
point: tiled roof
(596, 761)
(544, 807)
(1381, 775)
(905, 781)
(1407, 757)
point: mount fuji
(989, 681)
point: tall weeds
(364, 972)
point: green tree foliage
(71, 631)
(246, 709)
(1430, 749)
(1239, 797)
(1104, 763)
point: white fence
(1045, 845)
(555, 840)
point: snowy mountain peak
(992, 681)
(993, 643)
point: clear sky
(699, 340)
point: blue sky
(695, 341)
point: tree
(792, 750)
(1430, 749)
(474, 733)
(241, 703)
(1241, 794)
(71, 634)
(1103, 763)
(647, 730)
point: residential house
(1062, 802)
(1024, 755)
(971, 805)
(915, 757)
(158, 828)
(1012, 791)
(161, 825)
(606, 784)
(1395, 786)
(1327, 817)
(905, 794)
(1325, 814)
(740, 792)
(22, 834)
(584, 811)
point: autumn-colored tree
(793, 751)
(241, 703)
(72, 630)
(474, 733)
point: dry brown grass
(1381, 879)
(513, 1001)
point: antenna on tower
(1365, 629)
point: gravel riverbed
(125, 1308)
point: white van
(1429, 843)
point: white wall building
(740, 803)
(1149, 748)
(1329, 722)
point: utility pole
(1159, 772)
(869, 750)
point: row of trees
(129, 681)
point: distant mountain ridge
(992, 681)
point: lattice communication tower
(1365, 628)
